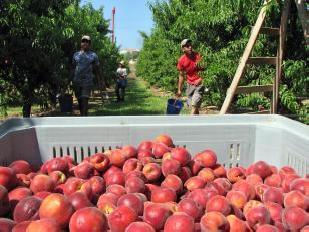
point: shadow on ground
(138, 101)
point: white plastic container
(237, 139)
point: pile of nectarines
(152, 187)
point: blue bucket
(174, 106)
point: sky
(131, 17)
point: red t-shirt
(188, 65)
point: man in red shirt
(189, 67)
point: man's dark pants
(120, 89)
(82, 94)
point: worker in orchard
(189, 66)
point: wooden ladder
(246, 59)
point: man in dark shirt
(86, 66)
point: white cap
(86, 37)
(185, 41)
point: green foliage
(297, 76)
(38, 39)
(295, 89)
(3, 106)
(220, 30)
(214, 28)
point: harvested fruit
(156, 186)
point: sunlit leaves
(220, 30)
(38, 38)
(68, 32)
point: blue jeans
(120, 88)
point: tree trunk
(26, 109)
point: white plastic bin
(237, 139)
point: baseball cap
(185, 41)
(121, 62)
(86, 37)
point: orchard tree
(220, 30)
(38, 39)
(29, 51)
